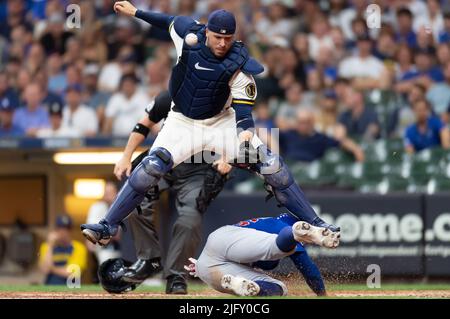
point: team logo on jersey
(250, 90)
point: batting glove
(192, 267)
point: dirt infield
(212, 294)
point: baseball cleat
(319, 222)
(176, 285)
(307, 233)
(240, 286)
(100, 233)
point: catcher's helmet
(110, 275)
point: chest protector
(199, 85)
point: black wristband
(141, 129)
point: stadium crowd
(329, 80)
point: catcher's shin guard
(286, 191)
(145, 176)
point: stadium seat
(438, 184)
(396, 184)
(394, 146)
(430, 155)
(417, 184)
(375, 151)
(336, 156)
(316, 173)
(422, 168)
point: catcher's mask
(110, 275)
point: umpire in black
(195, 184)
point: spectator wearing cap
(405, 32)
(363, 69)
(33, 116)
(77, 116)
(49, 98)
(425, 72)
(56, 128)
(305, 144)
(359, 121)
(126, 107)
(8, 97)
(428, 131)
(7, 127)
(59, 252)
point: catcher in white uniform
(213, 91)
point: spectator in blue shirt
(49, 98)
(7, 95)
(405, 32)
(306, 144)
(33, 116)
(358, 120)
(424, 72)
(7, 128)
(423, 59)
(428, 131)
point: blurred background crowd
(330, 82)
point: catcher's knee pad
(147, 174)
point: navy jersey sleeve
(160, 20)
(160, 108)
(330, 142)
(182, 24)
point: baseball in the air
(191, 39)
